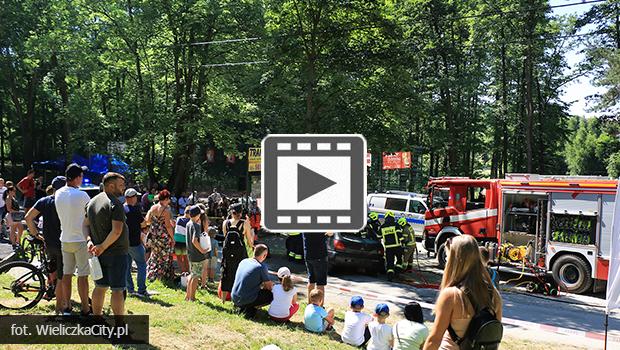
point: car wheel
(442, 256)
(573, 274)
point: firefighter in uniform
(295, 247)
(372, 226)
(409, 245)
(391, 239)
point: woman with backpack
(466, 302)
(234, 249)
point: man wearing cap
(109, 241)
(71, 207)
(135, 223)
(195, 253)
(252, 287)
(46, 208)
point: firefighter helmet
(373, 215)
(402, 221)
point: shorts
(291, 312)
(195, 268)
(29, 202)
(75, 255)
(211, 263)
(54, 256)
(180, 249)
(114, 268)
(317, 271)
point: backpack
(483, 333)
(234, 247)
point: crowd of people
(112, 231)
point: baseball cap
(74, 170)
(357, 301)
(195, 210)
(59, 182)
(382, 309)
(284, 272)
(131, 192)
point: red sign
(396, 160)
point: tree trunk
(529, 100)
(63, 90)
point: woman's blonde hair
(287, 283)
(465, 270)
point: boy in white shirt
(380, 333)
(355, 331)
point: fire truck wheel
(442, 256)
(573, 274)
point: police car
(410, 205)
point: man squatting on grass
(109, 240)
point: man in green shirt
(109, 241)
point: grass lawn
(210, 324)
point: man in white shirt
(71, 207)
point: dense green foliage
(475, 84)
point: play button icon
(310, 183)
(313, 183)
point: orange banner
(396, 160)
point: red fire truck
(560, 224)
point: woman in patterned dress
(161, 239)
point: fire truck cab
(558, 224)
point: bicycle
(23, 284)
(28, 249)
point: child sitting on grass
(380, 332)
(410, 333)
(355, 331)
(284, 304)
(316, 319)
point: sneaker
(66, 312)
(144, 294)
(89, 312)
